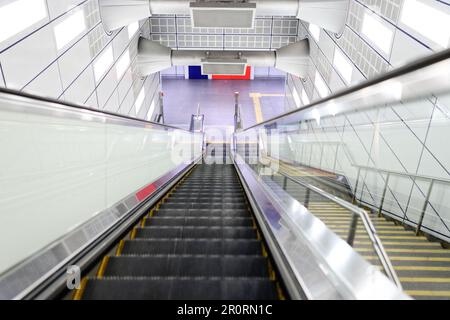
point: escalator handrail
(411, 67)
(399, 173)
(14, 93)
(368, 225)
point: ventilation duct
(328, 14)
(153, 57)
(223, 14)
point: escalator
(200, 242)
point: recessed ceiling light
(103, 62)
(139, 100)
(343, 65)
(321, 86)
(377, 32)
(69, 29)
(428, 21)
(19, 15)
(132, 29)
(315, 31)
(123, 64)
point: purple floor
(216, 98)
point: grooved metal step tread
(193, 246)
(196, 232)
(180, 289)
(187, 266)
(202, 212)
(193, 205)
(199, 222)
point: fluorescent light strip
(343, 66)
(139, 100)
(19, 15)
(123, 64)
(103, 62)
(321, 86)
(132, 29)
(428, 21)
(69, 29)
(315, 31)
(296, 97)
(377, 32)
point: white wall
(365, 59)
(31, 62)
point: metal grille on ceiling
(269, 33)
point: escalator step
(180, 289)
(199, 222)
(186, 266)
(194, 205)
(204, 199)
(193, 246)
(196, 232)
(202, 212)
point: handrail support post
(386, 184)
(424, 209)
(352, 230)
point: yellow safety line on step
(425, 279)
(406, 250)
(280, 292)
(78, 294)
(406, 243)
(257, 105)
(420, 268)
(143, 222)
(401, 258)
(102, 268)
(120, 247)
(133, 233)
(423, 293)
(340, 230)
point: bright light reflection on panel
(102, 64)
(316, 116)
(150, 111)
(19, 15)
(139, 100)
(305, 98)
(315, 31)
(343, 66)
(320, 85)
(377, 32)
(428, 21)
(332, 109)
(69, 29)
(123, 64)
(296, 97)
(132, 29)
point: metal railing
(389, 173)
(357, 213)
(339, 144)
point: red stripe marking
(144, 193)
(247, 76)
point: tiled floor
(216, 98)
